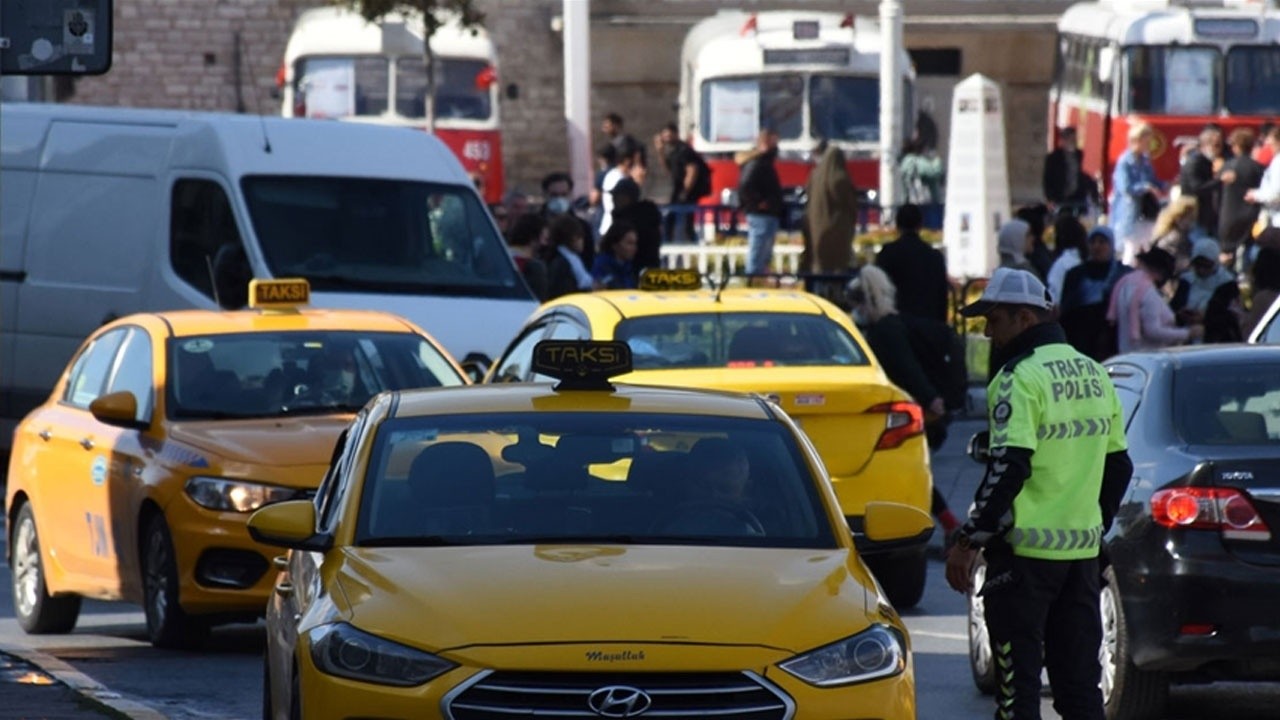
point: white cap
(1009, 286)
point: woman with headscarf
(1208, 294)
(1086, 292)
(831, 216)
(1142, 318)
(1013, 241)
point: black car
(1192, 563)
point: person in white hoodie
(1013, 241)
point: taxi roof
(640, 303)
(542, 397)
(212, 322)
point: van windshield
(381, 236)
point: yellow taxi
(579, 550)
(135, 479)
(793, 347)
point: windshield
(336, 86)
(845, 108)
(261, 374)
(734, 109)
(1217, 405)
(461, 93)
(1174, 80)
(737, 340)
(1253, 80)
(583, 477)
(374, 235)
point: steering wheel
(714, 516)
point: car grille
(672, 696)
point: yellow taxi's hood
(784, 600)
(298, 440)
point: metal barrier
(719, 261)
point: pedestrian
(1264, 286)
(1058, 469)
(614, 268)
(1142, 318)
(922, 176)
(1135, 195)
(1262, 152)
(645, 219)
(1175, 231)
(1065, 184)
(1086, 294)
(1240, 174)
(557, 193)
(872, 298)
(606, 158)
(760, 198)
(524, 241)
(566, 272)
(831, 216)
(1038, 254)
(917, 269)
(615, 133)
(1068, 248)
(690, 182)
(1013, 242)
(1267, 194)
(1207, 294)
(625, 159)
(1198, 177)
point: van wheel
(1128, 693)
(981, 660)
(38, 612)
(902, 577)
(168, 626)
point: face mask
(558, 205)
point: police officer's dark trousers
(1044, 612)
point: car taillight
(902, 420)
(1224, 509)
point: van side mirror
(119, 409)
(55, 37)
(979, 448)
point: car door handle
(45, 434)
(284, 589)
(86, 443)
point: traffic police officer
(1056, 473)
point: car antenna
(242, 48)
(213, 282)
(724, 281)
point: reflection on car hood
(303, 440)
(442, 598)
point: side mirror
(290, 524)
(119, 409)
(55, 37)
(979, 448)
(476, 365)
(889, 522)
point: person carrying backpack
(690, 181)
(890, 334)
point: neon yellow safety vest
(1060, 405)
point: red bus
(1176, 66)
(338, 65)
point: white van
(110, 211)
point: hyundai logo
(619, 701)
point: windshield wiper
(317, 409)
(574, 540)
(198, 414)
(409, 541)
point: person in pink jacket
(1141, 316)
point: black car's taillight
(903, 420)
(1224, 509)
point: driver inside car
(718, 498)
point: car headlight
(877, 652)
(342, 650)
(234, 495)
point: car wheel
(38, 612)
(167, 625)
(981, 661)
(902, 577)
(1128, 692)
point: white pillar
(577, 90)
(890, 101)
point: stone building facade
(224, 54)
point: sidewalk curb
(86, 687)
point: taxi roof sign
(582, 364)
(670, 279)
(279, 294)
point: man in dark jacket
(917, 269)
(1065, 183)
(642, 215)
(690, 181)
(760, 197)
(1198, 177)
